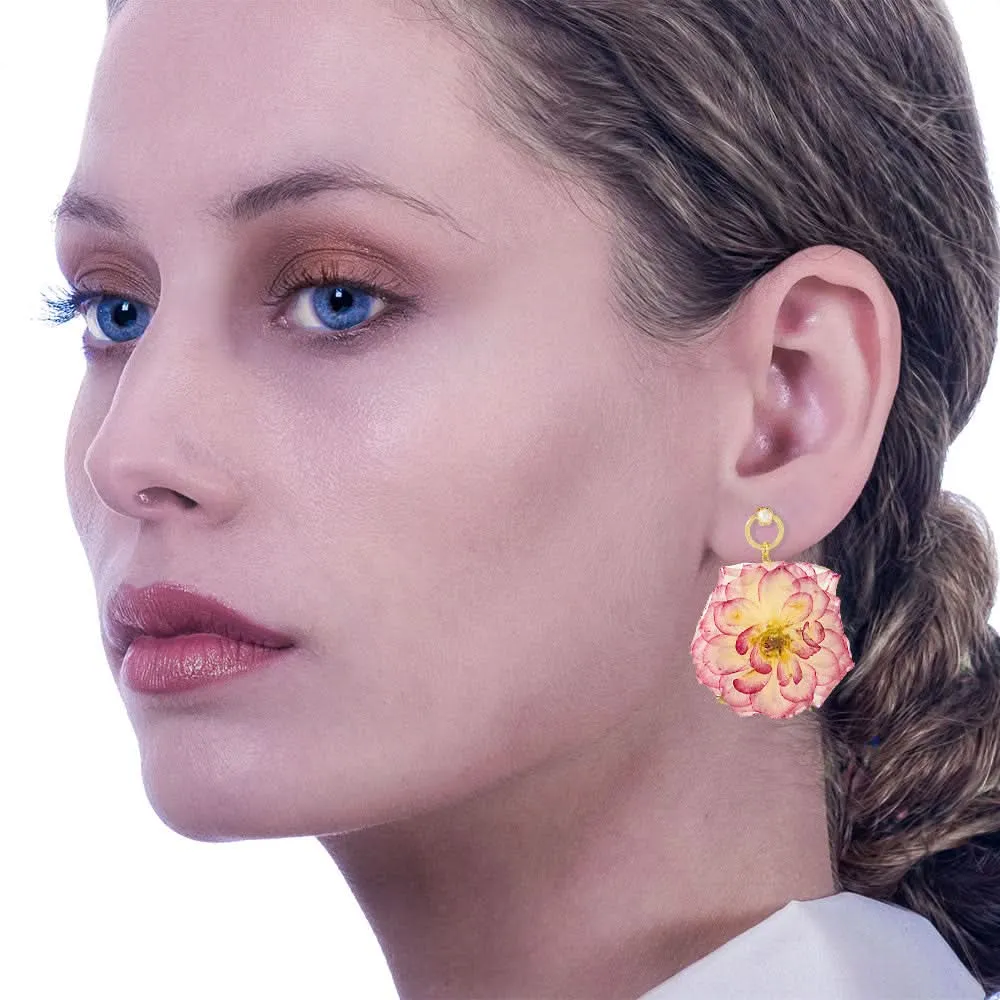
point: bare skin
(491, 528)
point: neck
(603, 872)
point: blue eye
(115, 318)
(337, 307)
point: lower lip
(184, 662)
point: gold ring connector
(765, 516)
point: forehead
(194, 97)
(191, 53)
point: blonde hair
(726, 136)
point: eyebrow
(295, 185)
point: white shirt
(840, 947)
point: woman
(452, 345)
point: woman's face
(479, 522)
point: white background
(96, 894)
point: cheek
(486, 576)
(493, 474)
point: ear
(814, 353)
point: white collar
(840, 947)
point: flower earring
(770, 640)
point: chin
(219, 792)
(208, 807)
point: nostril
(145, 499)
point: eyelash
(69, 302)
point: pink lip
(183, 662)
(171, 638)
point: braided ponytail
(915, 819)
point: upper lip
(165, 609)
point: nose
(166, 444)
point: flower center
(774, 640)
